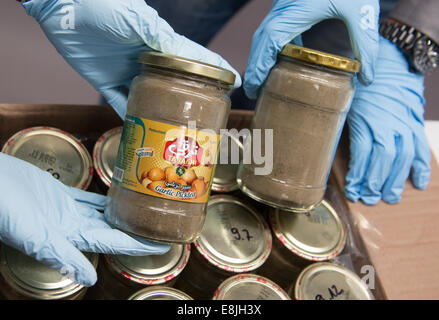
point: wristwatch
(422, 53)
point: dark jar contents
(105, 156)
(160, 293)
(55, 151)
(329, 281)
(300, 239)
(168, 150)
(120, 276)
(24, 278)
(249, 287)
(235, 239)
(304, 101)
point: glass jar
(329, 281)
(160, 293)
(304, 101)
(235, 239)
(249, 287)
(300, 239)
(24, 278)
(168, 150)
(120, 276)
(230, 152)
(105, 155)
(55, 151)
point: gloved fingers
(361, 142)
(61, 255)
(91, 199)
(405, 153)
(117, 97)
(269, 39)
(364, 38)
(113, 241)
(159, 35)
(381, 161)
(421, 169)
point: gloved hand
(290, 18)
(102, 39)
(386, 125)
(51, 222)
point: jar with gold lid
(300, 239)
(120, 276)
(24, 278)
(249, 287)
(329, 281)
(235, 239)
(168, 150)
(300, 111)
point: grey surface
(33, 72)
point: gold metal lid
(235, 237)
(33, 279)
(55, 151)
(249, 287)
(160, 293)
(105, 154)
(320, 58)
(152, 269)
(316, 235)
(167, 61)
(329, 281)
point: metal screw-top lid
(198, 68)
(316, 235)
(160, 293)
(225, 173)
(320, 58)
(234, 238)
(328, 281)
(249, 287)
(105, 154)
(55, 151)
(33, 279)
(151, 269)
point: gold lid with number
(329, 281)
(167, 61)
(320, 58)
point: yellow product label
(165, 160)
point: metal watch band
(420, 49)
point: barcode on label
(118, 174)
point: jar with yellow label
(299, 115)
(168, 150)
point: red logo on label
(183, 152)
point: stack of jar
(160, 170)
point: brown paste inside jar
(306, 107)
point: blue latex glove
(102, 39)
(290, 18)
(51, 222)
(386, 123)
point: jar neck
(186, 78)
